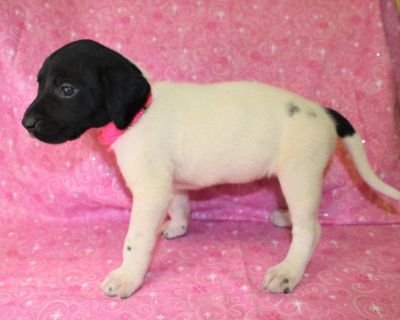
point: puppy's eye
(67, 91)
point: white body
(195, 136)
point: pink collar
(110, 133)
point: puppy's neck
(108, 134)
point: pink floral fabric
(338, 57)
(213, 273)
(64, 209)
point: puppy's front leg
(179, 211)
(148, 211)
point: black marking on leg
(343, 126)
(292, 109)
(128, 248)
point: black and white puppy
(194, 136)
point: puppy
(194, 136)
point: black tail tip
(343, 126)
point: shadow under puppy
(194, 136)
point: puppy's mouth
(49, 132)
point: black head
(84, 85)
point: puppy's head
(84, 85)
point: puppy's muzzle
(44, 128)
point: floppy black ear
(126, 92)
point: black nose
(29, 122)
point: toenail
(287, 290)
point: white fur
(195, 136)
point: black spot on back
(343, 126)
(292, 109)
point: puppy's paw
(281, 279)
(281, 218)
(120, 282)
(171, 230)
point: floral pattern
(214, 272)
(64, 209)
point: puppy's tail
(354, 146)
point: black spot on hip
(292, 109)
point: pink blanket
(64, 209)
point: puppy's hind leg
(179, 211)
(301, 186)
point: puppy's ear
(126, 92)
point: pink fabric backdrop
(63, 209)
(338, 57)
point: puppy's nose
(29, 122)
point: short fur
(194, 136)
